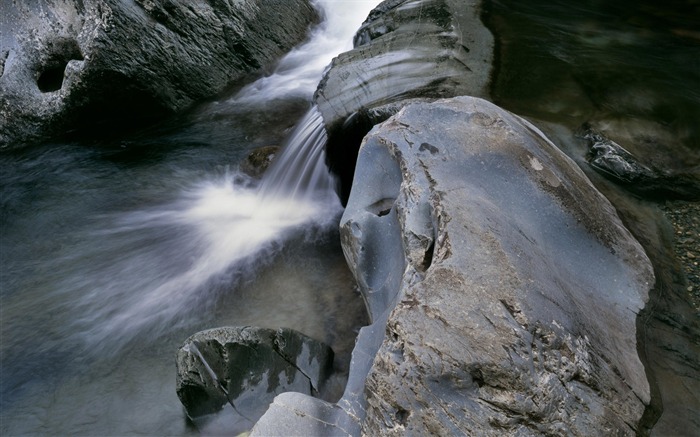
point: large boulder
(517, 308)
(502, 286)
(68, 65)
(406, 50)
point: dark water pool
(630, 68)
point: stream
(115, 251)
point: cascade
(109, 262)
(300, 170)
(230, 220)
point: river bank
(685, 219)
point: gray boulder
(502, 286)
(246, 367)
(517, 309)
(77, 65)
(406, 50)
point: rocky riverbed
(508, 291)
(685, 218)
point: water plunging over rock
(405, 50)
(300, 170)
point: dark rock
(251, 365)
(405, 50)
(502, 286)
(670, 324)
(74, 65)
(259, 160)
(616, 163)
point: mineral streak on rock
(94, 64)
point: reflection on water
(630, 68)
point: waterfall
(219, 228)
(300, 170)
(299, 72)
(158, 266)
(113, 255)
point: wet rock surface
(259, 160)
(616, 163)
(405, 51)
(671, 323)
(77, 66)
(495, 327)
(685, 219)
(473, 240)
(246, 367)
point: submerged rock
(74, 65)
(406, 50)
(246, 367)
(613, 161)
(259, 160)
(502, 286)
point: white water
(110, 262)
(299, 72)
(199, 247)
(223, 224)
(300, 172)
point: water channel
(115, 251)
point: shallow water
(115, 251)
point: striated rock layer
(92, 64)
(407, 50)
(503, 288)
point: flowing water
(114, 252)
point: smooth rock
(517, 309)
(246, 367)
(502, 286)
(406, 50)
(616, 163)
(97, 65)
